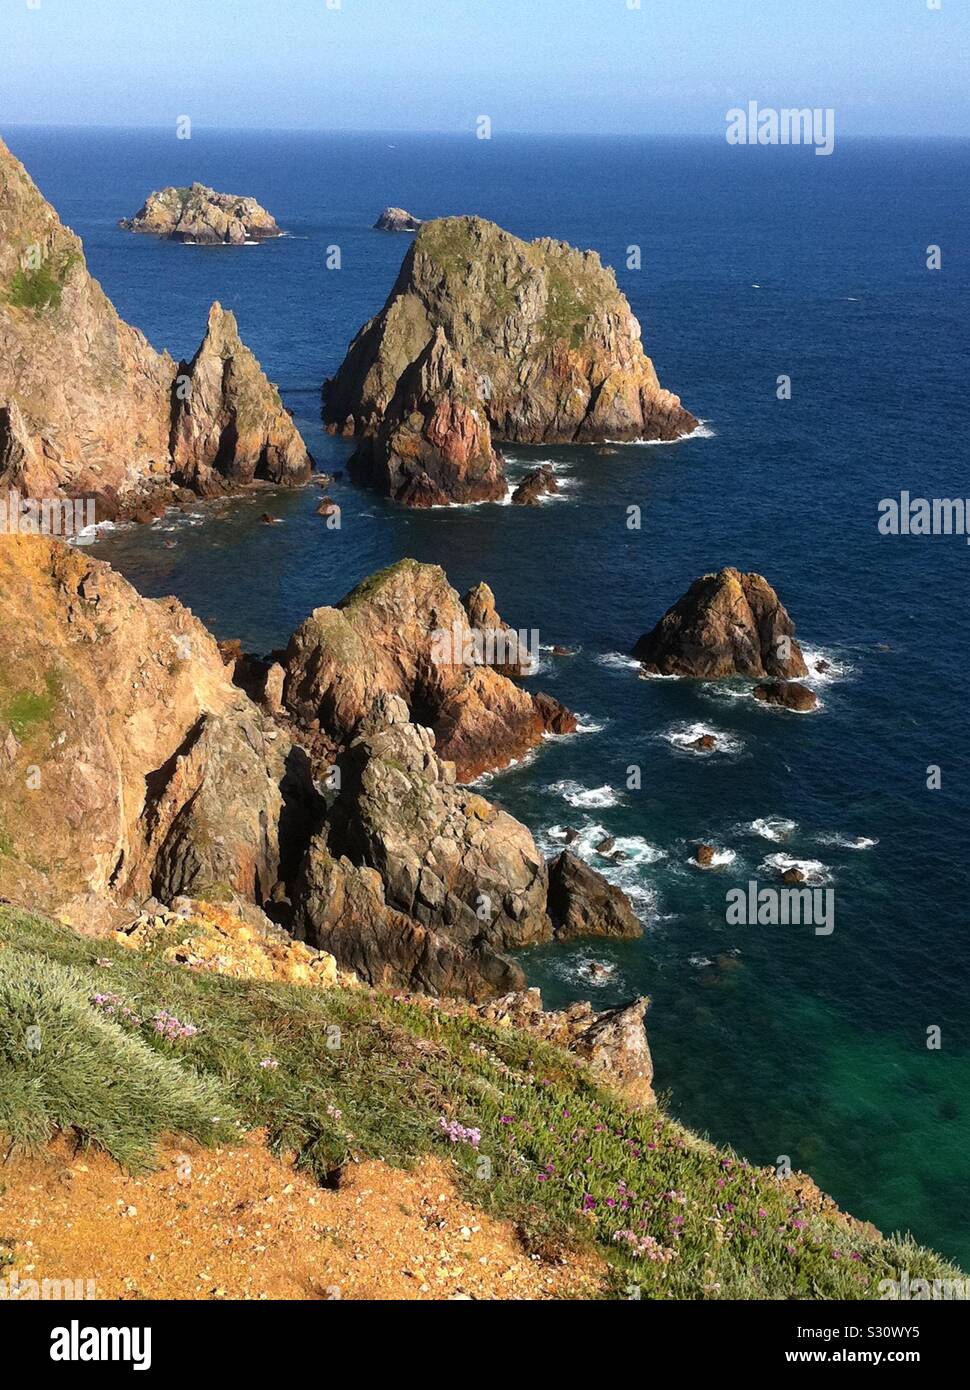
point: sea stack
(727, 624)
(200, 215)
(486, 338)
(397, 220)
(88, 408)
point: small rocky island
(202, 216)
(397, 220)
(485, 337)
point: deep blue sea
(756, 263)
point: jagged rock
(200, 214)
(704, 855)
(704, 743)
(788, 695)
(583, 903)
(87, 406)
(157, 773)
(509, 655)
(433, 445)
(405, 632)
(534, 343)
(613, 1043)
(541, 482)
(727, 624)
(455, 883)
(229, 423)
(397, 220)
(793, 876)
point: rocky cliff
(200, 214)
(536, 342)
(727, 624)
(406, 632)
(88, 407)
(132, 768)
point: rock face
(417, 882)
(405, 632)
(87, 407)
(727, 624)
(534, 341)
(397, 220)
(433, 446)
(787, 695)
(229, 424)
(583, 903)
(138, 766)
(200, 214)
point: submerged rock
(199, 214)
(727, 624)
(787, 695)
(397, 220)
(491, 337)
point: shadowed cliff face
(536, 338)
(87, 406)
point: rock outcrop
(583, 903)
(405, 632)
(614, 1042)
(397, 220)
(727, 624)
(539, 483)
(534, 341)
(416, 882)
(134, 765)
(433, 446)
(787, 695)
(229, 425)
(87, 407)
(199, 214)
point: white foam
(857, 842)
(585, 797)
(618, 661)
(699, 962)
(721, 858)
(814, 870)
(838, 669)
(703, 431)
(683, 735)
(774, 828)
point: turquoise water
(756, 263)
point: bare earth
(236, 1223)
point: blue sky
(670, 67)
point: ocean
(757, 263)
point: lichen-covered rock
(397, 220)
(727, 624)
(405, 632)
(86, 404)
(229, 424)
(200, 214)
(583, 903)
(546, 342)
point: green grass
(25, 711)
(42, 288)
(362, 1075)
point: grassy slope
(361, 1073)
